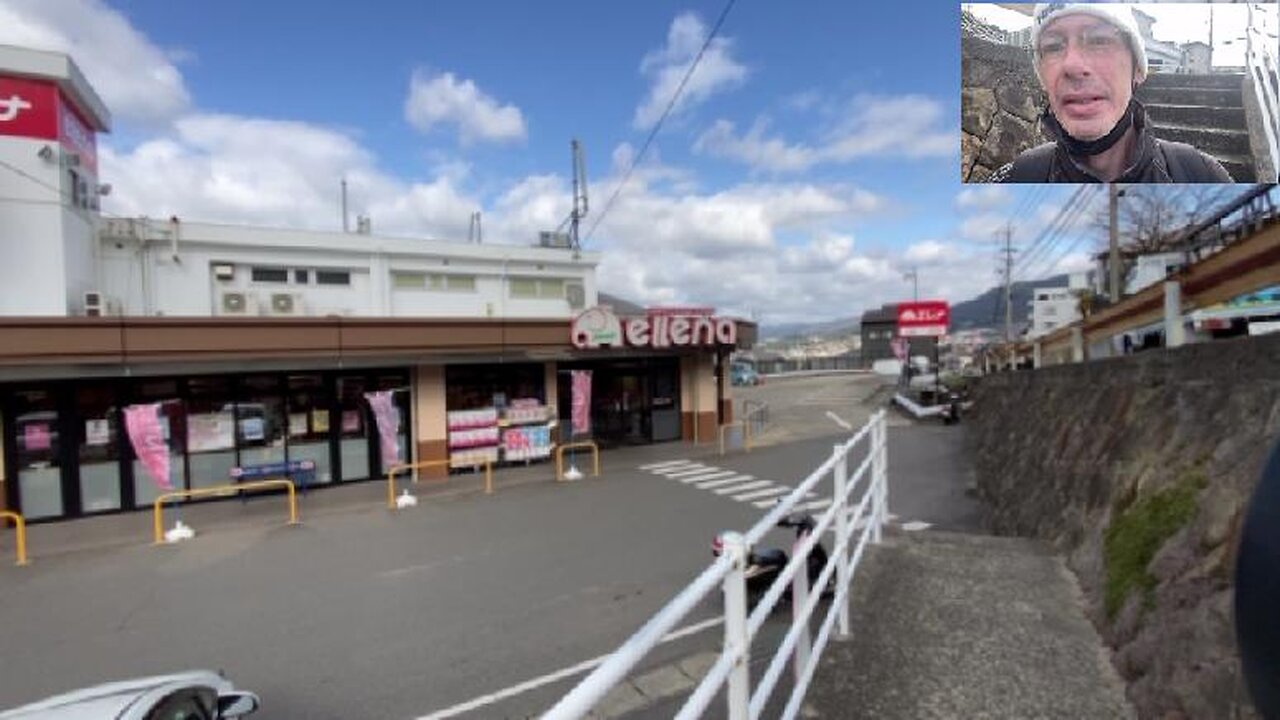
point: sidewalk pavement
(966, 626)
(48, 539)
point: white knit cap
(1118, 15)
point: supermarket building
(258, 346)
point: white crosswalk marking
(815, 505)
(690, 470)
(757, 494)
(667, 464)
(725, 481)
(703, 474)
(703, 478)
(745, 486)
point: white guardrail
(728, 573)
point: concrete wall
(1078, 453)
(1000, 103)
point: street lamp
(915, 282)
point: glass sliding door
(36, 443)
(260, 420)
(309, 401)
(98, 426)
(211, 422)
(353, 432)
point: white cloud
(984, 197)
(931, 252)
(666, 67)
(908, 126)
(443, 99)
(136, 79)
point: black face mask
(1086, 148)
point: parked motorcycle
(764, 566)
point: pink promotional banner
(387, 416)
(581, 400)
(142, 422)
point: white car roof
(112, 700)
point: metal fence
(730, 671)
(1264, 74)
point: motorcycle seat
(771, 556)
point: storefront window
(260, 420)
(172, 414)
(98, 421)
(35, 426)
(309, 402)
(398, 384)
(353, 438)
(211, 422)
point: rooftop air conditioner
(94, 304)
(224, 271)
(285, 304)
(236, 303)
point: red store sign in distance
(28, 108)
(926, 318)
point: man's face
(1087, 71)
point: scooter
(764, 566)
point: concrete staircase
(1204, 111)
(946, 625)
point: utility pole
(1008, 284)
(914, 274)
(1113, 262)
(344, 205)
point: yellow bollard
(21, 526)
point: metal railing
(405, 467)
(728, 573)
(584, 444)
(222, 491)
(1264, 76)
(21, 525)
(746, 434)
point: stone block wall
(1078, 455)
(1000, 104)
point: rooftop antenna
(579, 194)
(344, 205)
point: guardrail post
(799, 621)
(736, 639)
(842, 532)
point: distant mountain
(781, 331)
(987, 310)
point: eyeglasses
(1099, 40)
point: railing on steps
(730, 671)
(1264, 75)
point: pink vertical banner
(581, 400)
(387, 416)
(147, 436)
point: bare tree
(1155, 218)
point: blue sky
(813, 157)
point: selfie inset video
(1114, 92)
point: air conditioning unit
(224, 271)
(236, 303)
(286, 304)
(94, 304)
(576, 295)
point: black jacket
(1156, 161)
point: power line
(1051, 231)
(661, 119)
(1056, 231)
(1068, 224)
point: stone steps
(1196, 115)
(1207, 97)
(1214, 141)
(1230, 81)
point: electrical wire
(1051, 261)
(661, 119)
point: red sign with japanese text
(28, 108)
(927, 318)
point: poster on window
(210, 431)
(97, 432)
(350, 421)
(36, 436)
(320, 421)
(253, 429)
(297, 424)
(387, 417)
(147, 435)
(581, 401)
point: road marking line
(725, 481)
(815, 505)
(839, 420)
(691, 470)
(699, 474)
(667, 464)
(744, 486)
(708, 476)
(756, 494)
(538, 682)
(916, 525)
